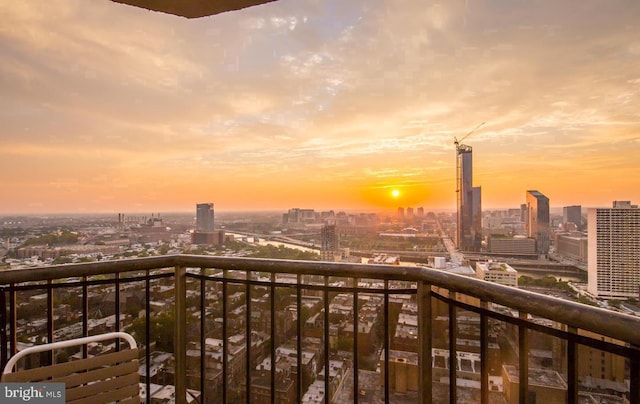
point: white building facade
(497, 272)
(614, 251)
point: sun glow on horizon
(395, 193)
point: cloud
(331, 89)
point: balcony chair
(103, 378)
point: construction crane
(457, 142)
(463, 219)
(459, 149)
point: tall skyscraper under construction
(469, 204)
(204, 217)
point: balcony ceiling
(193, 8)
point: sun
(395, 193)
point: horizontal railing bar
(87, 269)
(612, 324)
(95, 282)
(553, 332)
(338, 289)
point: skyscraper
(537, 223)
(614, 251)
(330, 244)
(469, 221)
(204, 217)
(523, 213)
(572, 214)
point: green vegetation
(551, 283)
(218, 248)
(615, 303)
(546, 282)
(375, 242)
(53, 239)
(62, 261)
(161, 329)
(282, 252)
(586, 300)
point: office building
(537, 223)
(574, 246)
(469, 221)
(297, 216)
(208, 238)
(204, 217)
(517, 245)
(572, 214)
(330, 248)
(614, 251)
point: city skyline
(322, 104)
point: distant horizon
(390, 211)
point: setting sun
(395, 193)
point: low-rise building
(545, 386)
(574, 246)
(497, 272)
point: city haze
(324, 104)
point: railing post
(634, 375)
(523, 360)
(424, 343)
(117, 308)
(3, 328)
(299, 325)
(13, 316)
(203, 325)
(572, 366)
(85, 314)
(387, 354)
(453, 350)
(484, 353)
(50, 317)
(247, 331)
(272, 331)
(356, 365)
(327, 363)
(180, 342)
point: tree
(160, 327)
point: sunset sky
(325, 104)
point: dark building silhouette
(572, 214)
(204, 217)
(330, 244)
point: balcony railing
(234, 318)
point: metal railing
(212, 278)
